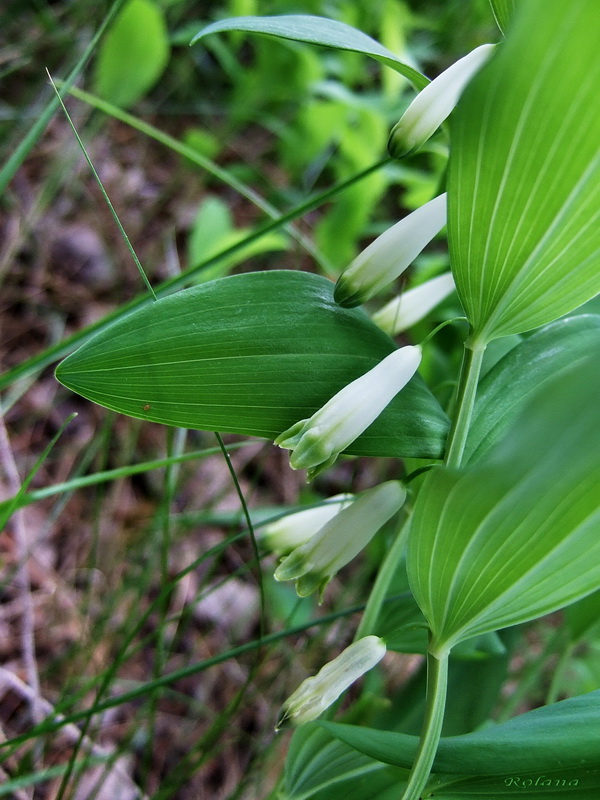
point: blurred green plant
(133, 54)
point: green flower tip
(290, 438)
(317, 442)
(313, 563)
(318, 692)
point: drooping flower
(317, 442)
(314, 563)
(390, 254)
(404, 311)
(289, 532)
(435, 102)
(318, 692)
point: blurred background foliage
(143, 573)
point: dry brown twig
(22, 581)
(10, 681)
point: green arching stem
(390, 563)
(440, 327)
(465, 400)
(382, 583)
(437, 685)
(205, 163)
(437, 668)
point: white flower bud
(390, 254)
(314, 563)
(435, 103)
(412, 306)
(289, 532)
(318, 692)
(317, 442)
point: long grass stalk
(205, 163)
(52, 725)
(63, 348)
(22, 150)
(24, 498)
(107, 199)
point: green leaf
(582, 619)
(320, 767)
(249, 354)
(524, 173)
(401, 624)
(514, 537)
(562, 784)
(133, 55)
(559, 736)
(503, 11)
(317, 30)
(509, 385)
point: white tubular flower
(435, 103)
(318, 692)
(317, 442)
(289, 532)
(412, 306)
(314, 563)
(390, 254)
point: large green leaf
(317, 30)
(573, 783)
(321, 767)
(401, 624)
(509, 385)
(134, 53)
(524, 173)
(503, 11)
(559, 736)
(249, 354)
(515, 536)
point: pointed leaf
(508, 386)
(574, 783)
(249, 354)
(561, 735)
(401, 624)
(321, 767)
(524, 173)
(515, 537)
(317, 30)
